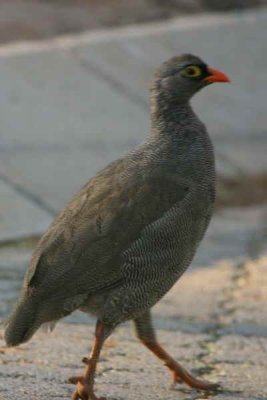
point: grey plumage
(130, 233)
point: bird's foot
(196, 383)
(179, 374)
(84, 390)
(84, 385)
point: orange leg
(179, 373)
(146, 334)
(85, 384)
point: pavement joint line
(223, 157)
(131, 31)
(208, 367)
(139, 101)
(120, 88)
(28, 195)
(23, 241)
(123, 90)
(240, 271)
(115, 84)
(134, 98)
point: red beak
(216, 76)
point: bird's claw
(85, 392)
(195, 383)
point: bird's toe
(85, 392)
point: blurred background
(74, 79)
(37, 19)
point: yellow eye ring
(192, 71)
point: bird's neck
(169, 115)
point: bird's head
(180, 77)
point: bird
(132, 230)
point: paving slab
(60, 124)
(70, 105)
(249, 303)
(41, 372)
(244, 382)
(234, 113)
(40, 368)
(203, 321)
(20, 217)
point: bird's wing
(164, 249)
(82, 252)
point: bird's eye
(192, 71)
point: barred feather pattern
(157, 259)
(130, 233)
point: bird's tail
(23, 323)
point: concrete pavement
(213, 321)
(70, 105)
